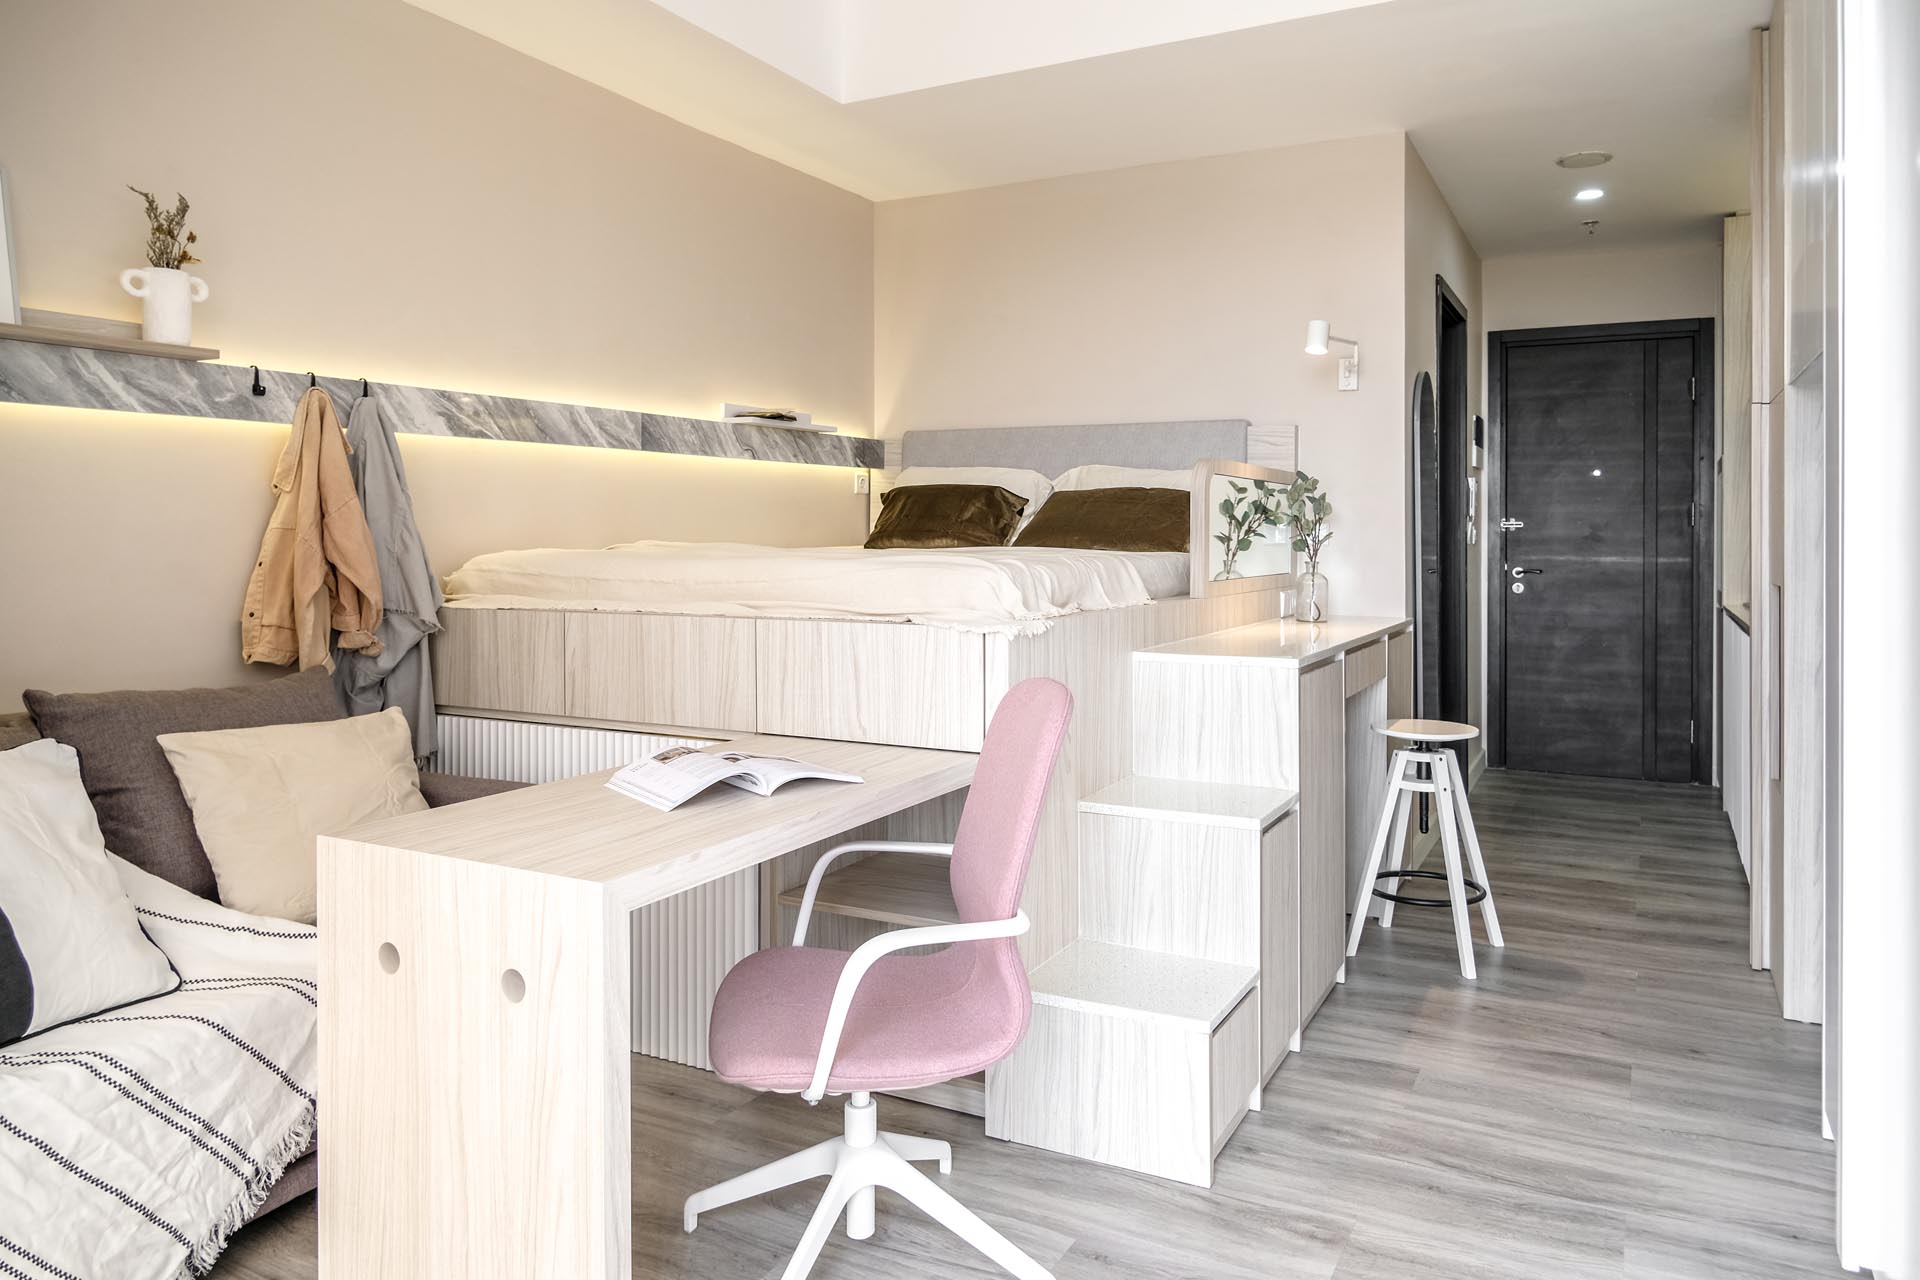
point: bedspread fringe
(283, 1157)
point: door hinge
(1691, 508)
(1690, 738)
(1693, 388)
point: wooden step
(1103, 978)
(1169, 1042)
(903, 889)
(1216, 804)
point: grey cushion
(143, 815)
(441, 789)
(16, 730)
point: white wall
(1595, 284)
(381, 193)
(1170, 291)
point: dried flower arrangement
(169, 243)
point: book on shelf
(756, 415)
(678, 774)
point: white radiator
(682, 946)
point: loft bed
(901, 680)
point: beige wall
(1436, 246)
(380, 193)
(1598, 285)
(1179, 290)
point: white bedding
(1003, 590)
(134, 1142)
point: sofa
(143, 815)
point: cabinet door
(1279, 940)
(1323, 832)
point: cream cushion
(262, 797)
(1099, 475)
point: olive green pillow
(946, 515)
(1112, 520)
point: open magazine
(678, 774)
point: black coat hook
(258, 387)
(365, 390)
(312, 382)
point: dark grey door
(1597, 581)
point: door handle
(1517, 571)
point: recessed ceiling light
(1584, 159)
(1589, 193)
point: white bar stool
(1436, 772)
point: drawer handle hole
(513, 986)
(389, 957)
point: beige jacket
(317, 571)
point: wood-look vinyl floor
(1616, 1097)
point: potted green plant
(1307, 512)
(166, 292)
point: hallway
(1616, 1097)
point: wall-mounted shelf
(58, 336)
(79, 370)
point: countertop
(1285, 641)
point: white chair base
(855, 1163)
(1449, 791)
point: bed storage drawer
(641, 668)
(501, 660)
(871, 682)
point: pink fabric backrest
(995, 841)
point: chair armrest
(863, 959)
(441, 789)
(855, 846)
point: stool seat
(1427, 768)
(1429, 731)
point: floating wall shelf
(36, 371)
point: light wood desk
(474, 1006)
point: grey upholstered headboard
(1051, 450)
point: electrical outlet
(861, 482)
(1350, 374)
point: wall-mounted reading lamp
(1317, 340)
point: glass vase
(1310, 598)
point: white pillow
(1099, 475)
(261, 798)
(1031, 485)
(70, 943)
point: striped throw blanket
(134, 1142)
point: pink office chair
(811, 1021)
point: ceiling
(901, 98)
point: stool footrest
(1475, 890)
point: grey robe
(402, 675)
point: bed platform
(898, 683)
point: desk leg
(474, 1072)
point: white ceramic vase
(166, 295)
